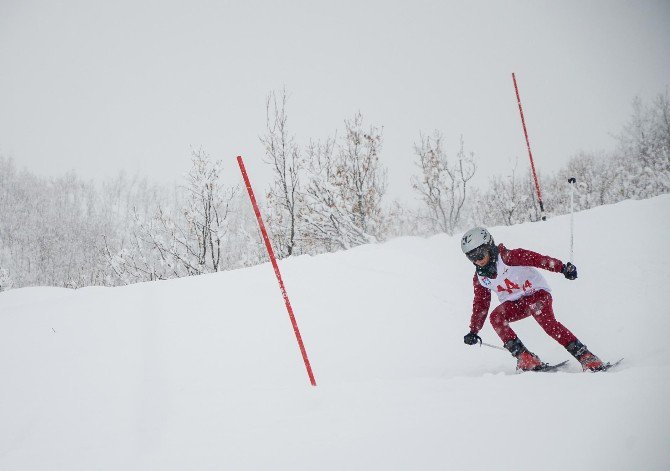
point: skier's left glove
(472, 338)
(569, 271)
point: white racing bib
(514, 282)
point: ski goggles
(477, 254)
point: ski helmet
(474, 238)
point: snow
(205, 373)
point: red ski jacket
(514, 257)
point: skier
(522, 292)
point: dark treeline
(327, 194)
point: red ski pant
(537, 305)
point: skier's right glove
(569, 271)
(472, 338)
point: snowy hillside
(204, 373)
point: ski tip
(608, 366)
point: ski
(608, 366)
(547, 368)
(544, 368)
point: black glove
(569, 271)
(472, 338)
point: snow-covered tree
(189, 239)
(599, 181)
(206, 212)
(283, 197)
(6, 282)
(645, 144)
(49, 229)
(442, 184)
(346, 184)
(128, 202)
(360, 176)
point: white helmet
(474, 238)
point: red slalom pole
(530, 154)
(271, 253)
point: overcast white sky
(132, 84)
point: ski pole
(572, 181)
(491, 346)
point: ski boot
(525, 360)
(588, 360)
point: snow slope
(204, 373)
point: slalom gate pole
(530, 154)
(268, 246)
(572, 181)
